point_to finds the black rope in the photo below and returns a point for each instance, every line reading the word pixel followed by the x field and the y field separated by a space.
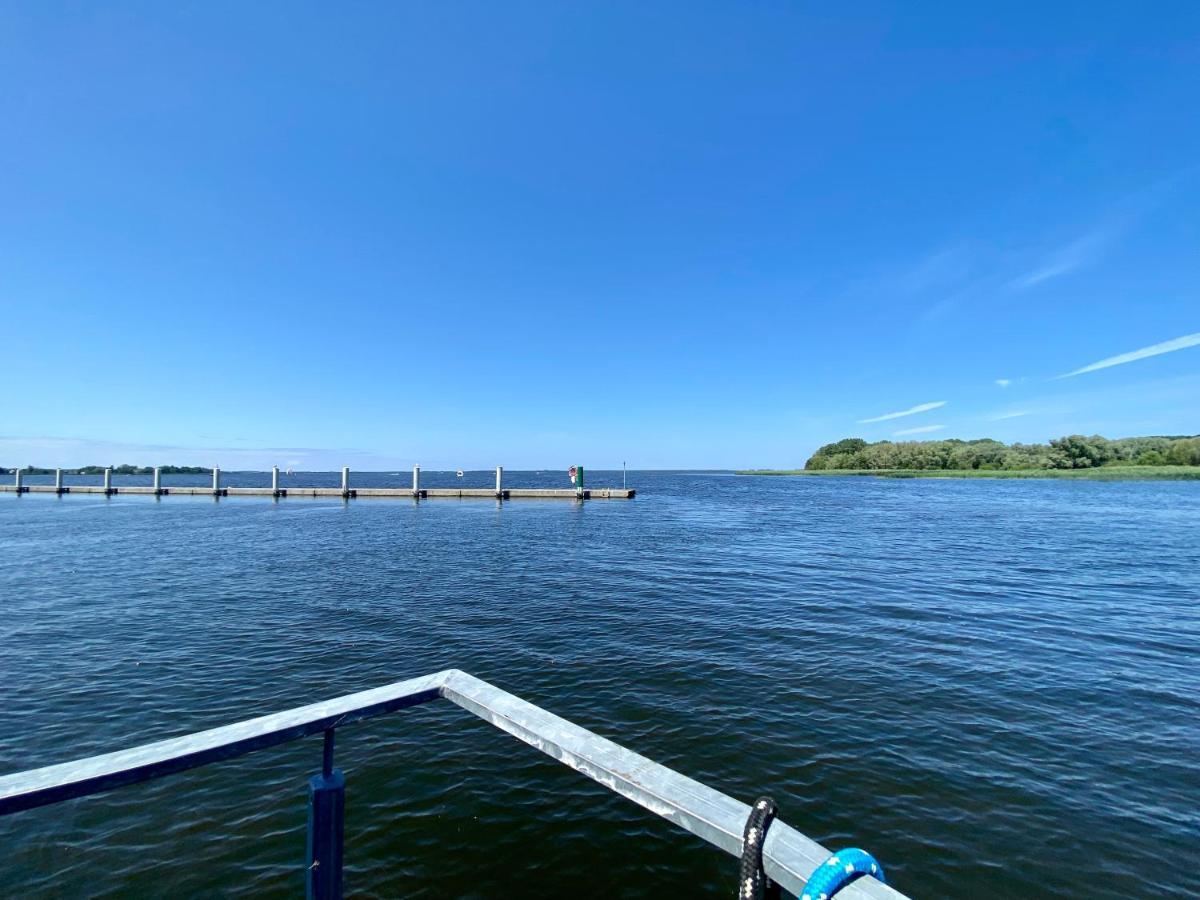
pixel 753 883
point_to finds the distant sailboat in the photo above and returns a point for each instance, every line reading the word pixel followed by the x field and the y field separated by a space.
pixel 459 473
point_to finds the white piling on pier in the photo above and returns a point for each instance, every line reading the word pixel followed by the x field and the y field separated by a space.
pixel 58 485
pixel 345 481
pixel 157 480
pixel 216 481
pixel 108 488
pixel 416 481
pixel 275 481
pixel 499 481
pixel 17 481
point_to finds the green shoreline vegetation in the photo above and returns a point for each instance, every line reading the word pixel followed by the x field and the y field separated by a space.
pixel 1073 456
pixel 1104 473
pixel 125 469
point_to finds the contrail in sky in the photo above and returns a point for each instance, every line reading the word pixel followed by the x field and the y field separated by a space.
pixel 1179 343
pixel 919 408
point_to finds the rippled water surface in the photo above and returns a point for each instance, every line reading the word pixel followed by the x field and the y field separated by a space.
pixel 992 685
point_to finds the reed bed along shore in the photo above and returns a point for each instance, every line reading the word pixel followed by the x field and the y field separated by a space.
pixel 1100 473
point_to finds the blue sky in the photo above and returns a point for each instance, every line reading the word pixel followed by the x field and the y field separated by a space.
pixel 537 234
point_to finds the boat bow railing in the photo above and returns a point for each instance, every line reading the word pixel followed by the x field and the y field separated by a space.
pixel 789 857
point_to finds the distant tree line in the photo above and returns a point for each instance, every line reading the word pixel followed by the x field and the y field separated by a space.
pixel 125 469
pixel 1071 452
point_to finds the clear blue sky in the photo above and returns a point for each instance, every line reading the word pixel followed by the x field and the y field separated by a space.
pixel 682 234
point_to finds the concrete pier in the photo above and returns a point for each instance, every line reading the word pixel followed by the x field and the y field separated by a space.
pixel 345 491
pixel 359 493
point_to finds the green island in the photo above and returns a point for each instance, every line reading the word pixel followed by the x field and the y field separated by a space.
pixel 125 469
pixel 1072 456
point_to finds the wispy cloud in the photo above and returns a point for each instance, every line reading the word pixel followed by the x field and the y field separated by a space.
pixel 1121 217
pixel 947 266
pixel 1179 343
pixel 1004 382
pixel 912 411
pixel 924 429
pixel 1009 414
pixel 1075 255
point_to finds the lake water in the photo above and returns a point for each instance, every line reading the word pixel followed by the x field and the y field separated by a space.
pixel 994 686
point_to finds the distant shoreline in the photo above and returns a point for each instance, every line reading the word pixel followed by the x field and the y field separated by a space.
pixel 1098 473
pixel 124 469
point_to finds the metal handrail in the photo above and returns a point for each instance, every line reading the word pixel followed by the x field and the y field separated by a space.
pixel 789 857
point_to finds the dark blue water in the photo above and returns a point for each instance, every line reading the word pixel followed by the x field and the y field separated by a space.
pixel 992 685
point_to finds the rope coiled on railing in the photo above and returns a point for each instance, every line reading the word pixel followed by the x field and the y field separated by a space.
pixel 838 871
pixel 753 883
pixel 827 879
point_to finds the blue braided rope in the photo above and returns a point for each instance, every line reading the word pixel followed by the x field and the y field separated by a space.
pixel 838 871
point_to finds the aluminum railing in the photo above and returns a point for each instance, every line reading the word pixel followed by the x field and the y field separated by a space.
pixel 789 857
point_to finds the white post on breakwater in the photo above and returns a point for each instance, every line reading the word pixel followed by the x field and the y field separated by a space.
pixel 499 481
pixel 17 481
pixel 216 481
pixel 108 488
pixel 157 480
pixel 416 481
pixel 58 486
pixel 345 481
pixel 274 481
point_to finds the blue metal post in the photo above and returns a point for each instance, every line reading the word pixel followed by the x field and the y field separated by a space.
pixel 326 834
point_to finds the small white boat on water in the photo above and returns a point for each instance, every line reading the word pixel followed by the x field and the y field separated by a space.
pixel 459 473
